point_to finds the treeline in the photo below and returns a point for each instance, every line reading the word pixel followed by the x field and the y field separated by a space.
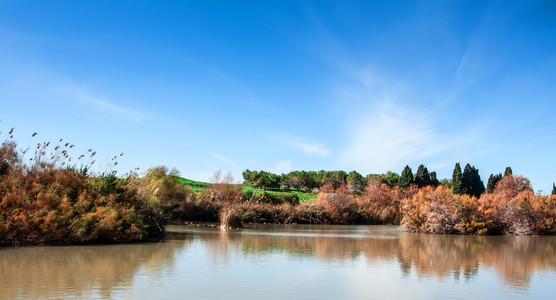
pixel 467 182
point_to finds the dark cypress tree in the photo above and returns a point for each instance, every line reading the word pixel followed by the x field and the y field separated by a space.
pixel 472 184
pixel 493 181
pixel 422 177
pixel 553 189
pixel 508 171
pixel 434 180
pixel 457 180
pixel 406 178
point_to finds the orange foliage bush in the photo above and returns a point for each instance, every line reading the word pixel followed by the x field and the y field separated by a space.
pixel 42 203
pixel 512 208
pixel 381 204
pixel 439 210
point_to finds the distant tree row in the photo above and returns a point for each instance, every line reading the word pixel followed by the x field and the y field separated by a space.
pixel 466 182
pixel 309 180
pixel 301 180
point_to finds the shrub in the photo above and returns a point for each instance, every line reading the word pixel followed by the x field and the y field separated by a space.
pixel 230 218
pixel 42 202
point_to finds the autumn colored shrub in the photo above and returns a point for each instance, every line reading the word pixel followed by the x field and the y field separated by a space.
pixel 379 203
pixel 161 188
pixel 433 210
pixel 42 202
pixel 339 207
pixel 513 208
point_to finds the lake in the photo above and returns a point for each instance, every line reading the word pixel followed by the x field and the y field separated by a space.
pixel 287 262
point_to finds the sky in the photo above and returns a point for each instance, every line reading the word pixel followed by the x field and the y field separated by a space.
pixel 369 86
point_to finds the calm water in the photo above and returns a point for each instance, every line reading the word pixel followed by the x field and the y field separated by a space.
pixel 285 262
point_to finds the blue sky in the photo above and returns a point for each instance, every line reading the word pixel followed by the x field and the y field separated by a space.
pixel 286 85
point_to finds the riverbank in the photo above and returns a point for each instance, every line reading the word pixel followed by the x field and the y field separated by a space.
pixel 510 209
pixel 45 200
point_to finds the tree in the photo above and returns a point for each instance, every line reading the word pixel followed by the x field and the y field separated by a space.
pixel 355 181
pixel 553 189
pixel 406 178
pixel 508 171
pixel 422 177
pixel 261 179
pixel 300 180
pixel 472 184
pixel 434 180
pixel 493 181
pixel 446 182
pixel 391 179
pixel 336 178
pixel 457 180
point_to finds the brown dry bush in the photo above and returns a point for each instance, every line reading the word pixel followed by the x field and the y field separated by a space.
pixel 339 207
pixel 380 204
pixel 513 208
pixel 439 210
pixel 42 202
pixel 230 218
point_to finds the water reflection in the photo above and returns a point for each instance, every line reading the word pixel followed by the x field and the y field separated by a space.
pixel 76 271
pixel 514 258
pixel 335 259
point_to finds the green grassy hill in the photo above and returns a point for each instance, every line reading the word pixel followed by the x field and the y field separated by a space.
pixel 199 186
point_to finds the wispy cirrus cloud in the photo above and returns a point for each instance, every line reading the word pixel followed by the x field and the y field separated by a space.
pixel 83 95
pixel 224 159
pixel 390 129
pixel 34 81
pixel 390 137
pixel 282 167
pixel 310 147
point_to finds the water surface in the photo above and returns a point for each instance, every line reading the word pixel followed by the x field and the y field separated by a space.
pixel 287 261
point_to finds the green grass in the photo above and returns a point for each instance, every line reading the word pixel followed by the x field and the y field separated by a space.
pixel 303 196
pixel 199 186
pixel 189 182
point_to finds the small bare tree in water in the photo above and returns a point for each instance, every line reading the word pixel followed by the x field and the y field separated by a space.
pixel 224 189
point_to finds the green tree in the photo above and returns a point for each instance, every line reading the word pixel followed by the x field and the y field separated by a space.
pixel 493 180
pixel 446 182
pixel 434 179
pixel 300 180
pixel 553 189
pixel 336 178
pixel 392 179
pixel 457 180
pixel 355 181
pixel 406 178
pixel 422 177
pixel 261 179
pixel 508 171
pixel 472 184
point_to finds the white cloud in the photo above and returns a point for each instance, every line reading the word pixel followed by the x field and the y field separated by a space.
pixel 224 159
pixel 31 82
pixel 309 147
pixel 83 95
pixel 389 138
pixel 387 131
pixel 282 167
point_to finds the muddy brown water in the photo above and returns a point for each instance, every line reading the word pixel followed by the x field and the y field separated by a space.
pixel 287 262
